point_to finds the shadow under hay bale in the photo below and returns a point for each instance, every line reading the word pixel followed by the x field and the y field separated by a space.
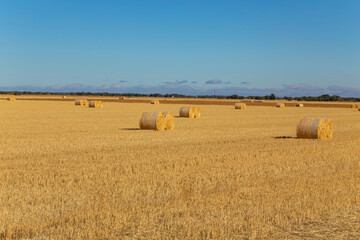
pixel 153 121
pixel 314 128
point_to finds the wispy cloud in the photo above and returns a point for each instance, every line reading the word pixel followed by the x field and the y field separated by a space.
pixel 122 81
pixel 194 82
pixel 176 82
pixel 213 81
pixel 245 83
pixel 227 83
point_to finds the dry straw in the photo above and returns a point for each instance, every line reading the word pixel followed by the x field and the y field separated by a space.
pixel 187 112
pixel 197 112
pixel 280 105
pixel 95 104
pixel 314 128
pixel 11 98
pixel 169 117
pixel 152 120
pixel 154 102
pixel 300 105
pixel 241 106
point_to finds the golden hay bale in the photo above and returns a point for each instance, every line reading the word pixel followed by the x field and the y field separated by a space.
pixel 95 104
pixel 152 120
pixel 241 106
pixel 187 112
pixel 280 105
pixel 11 98
pixel 252 100
pixel 354 106
pixel 79 102
pixel 314 128
pixel 154 102
pixel 300 105
pixel 359 109
pixel 63 96
pixel 121 98
pixel 85 102
pixel 169 117
pixel 197 112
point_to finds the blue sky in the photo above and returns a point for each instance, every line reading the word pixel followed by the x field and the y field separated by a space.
pixel 192 47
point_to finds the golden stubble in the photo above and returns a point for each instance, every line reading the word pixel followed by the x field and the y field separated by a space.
pixel 70 172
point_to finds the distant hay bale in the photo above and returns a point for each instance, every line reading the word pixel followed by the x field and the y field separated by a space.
pixel 300 105
pixel 85 102
pixel 252 100
pixel 152 120
pixel 122 98
pixel 314 128
pixel 169 117
pixel 197 112
pixel 187 112
pixel 354 106
pixel 280 105
pixel 95 104
pixel 11 98
pixel 154 102
pixel 172 96
pixel 241 106
pixel 79 102
pixel 63 96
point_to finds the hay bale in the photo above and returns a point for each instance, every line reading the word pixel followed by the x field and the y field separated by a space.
pixel 197 112
pixel 354 106
pixel 152 120
pixel 85 102
pixel 359 109
pixel 314 128
pixel 241 106
pixel 79 102
pixel 11 98
pixel 169 117
pixel 122 98
pixel 280 105
pixel 95 104
pixel 63 96
pixel 187 112
pixel 154 102
pixel 299 105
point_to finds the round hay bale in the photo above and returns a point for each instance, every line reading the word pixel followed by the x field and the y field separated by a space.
pixel 63 97
pixel 169 117
pixel 95 104
pixel 241 106
pixel 314 128
pixel 359 109
pixel 187 112
pixel 154 102
pixel 85 102
pixel 299 105
pixel 197 112
pixel 11 98
pixel 122 98
pixel 152 120
pixel 280 105
pixel 354 106
pixel 79 102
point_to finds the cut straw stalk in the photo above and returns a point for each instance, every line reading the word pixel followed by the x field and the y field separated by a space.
pixel 187 112
pixel 152 120
pixel 314 128
pixel 241 106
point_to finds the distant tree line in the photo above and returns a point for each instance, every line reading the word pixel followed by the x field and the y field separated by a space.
pixel 322 98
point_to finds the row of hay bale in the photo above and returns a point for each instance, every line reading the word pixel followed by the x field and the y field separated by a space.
pixel 92 104
pixel 242 106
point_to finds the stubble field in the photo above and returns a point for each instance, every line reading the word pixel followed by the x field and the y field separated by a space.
pixel 73 172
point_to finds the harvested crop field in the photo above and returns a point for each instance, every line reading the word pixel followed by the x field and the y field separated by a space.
pixel 85 173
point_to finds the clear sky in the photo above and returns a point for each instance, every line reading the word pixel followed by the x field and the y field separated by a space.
pixel 189 46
